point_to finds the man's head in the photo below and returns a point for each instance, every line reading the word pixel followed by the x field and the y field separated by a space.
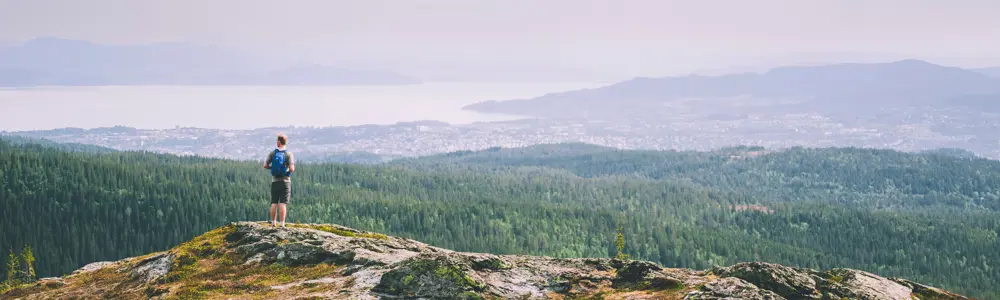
pixel 282 140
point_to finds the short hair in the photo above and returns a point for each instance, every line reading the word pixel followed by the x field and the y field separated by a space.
pixel 282 139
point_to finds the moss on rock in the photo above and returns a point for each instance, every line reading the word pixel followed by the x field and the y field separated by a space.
pixel 490 263
pixel 429 278
pixel 643 275
pixel 342 231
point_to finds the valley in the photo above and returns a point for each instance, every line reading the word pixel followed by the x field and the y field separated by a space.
pixel 930 218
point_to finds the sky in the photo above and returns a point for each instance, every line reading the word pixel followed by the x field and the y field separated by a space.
pixel 625 37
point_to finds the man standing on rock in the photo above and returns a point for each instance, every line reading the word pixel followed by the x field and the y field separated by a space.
pixel 282 166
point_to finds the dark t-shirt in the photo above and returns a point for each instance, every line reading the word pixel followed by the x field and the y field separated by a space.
pixel 289 161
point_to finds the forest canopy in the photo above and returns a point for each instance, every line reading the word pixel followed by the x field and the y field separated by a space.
pixel 927 217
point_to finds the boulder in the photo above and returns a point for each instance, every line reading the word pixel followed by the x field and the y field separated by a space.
pixel 152 268
pixel 644 275
pixel 788 282
pixel 51 282
pixel 854 284
pixel 93 267
pixel 732 288
pixel 308 254
pixel 926 292
pixel 430 278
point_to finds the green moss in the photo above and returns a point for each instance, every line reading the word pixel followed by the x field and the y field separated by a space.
pixel 207 268
pixel 206 244
pixel 472 296
pixel 837 278
pixel 431 278
pixel 12 288
pixel 492 263
pixel 634 276
pixel 205 290
pixel 342 232
pixel 188 255
pixel 189 293
pixel 221 280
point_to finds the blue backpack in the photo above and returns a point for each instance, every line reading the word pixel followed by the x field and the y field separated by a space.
pixel 278 164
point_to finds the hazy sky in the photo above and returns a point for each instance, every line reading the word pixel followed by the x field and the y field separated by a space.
pixel 649 36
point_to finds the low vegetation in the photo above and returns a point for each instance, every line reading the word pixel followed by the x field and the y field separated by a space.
pixel 341 231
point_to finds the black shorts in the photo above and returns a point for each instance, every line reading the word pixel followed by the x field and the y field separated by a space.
pixel 281 192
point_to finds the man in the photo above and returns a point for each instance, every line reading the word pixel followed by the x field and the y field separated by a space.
pixel 282 165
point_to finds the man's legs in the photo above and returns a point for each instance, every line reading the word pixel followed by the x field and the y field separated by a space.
pixel 275 199
pixel 286 195
pixel 274 210
pixel 284 211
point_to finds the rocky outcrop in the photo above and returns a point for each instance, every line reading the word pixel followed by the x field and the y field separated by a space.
pixel 256 260
pixel 926 292
pixel 731 288
pixel 93 266
pixel 793 283
pixel 785 281
pixel 152 268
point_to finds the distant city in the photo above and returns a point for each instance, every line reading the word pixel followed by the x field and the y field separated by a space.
pixel 906 105
pixel 913 131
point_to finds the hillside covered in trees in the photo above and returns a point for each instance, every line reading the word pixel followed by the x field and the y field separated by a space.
pixel 871 178
pixel 927 217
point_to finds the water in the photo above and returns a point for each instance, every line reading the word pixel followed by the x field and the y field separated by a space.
pixel 247 107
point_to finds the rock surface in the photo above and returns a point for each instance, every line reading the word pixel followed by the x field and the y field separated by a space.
pixel 732 288
pixel 318 261
pixel 153 268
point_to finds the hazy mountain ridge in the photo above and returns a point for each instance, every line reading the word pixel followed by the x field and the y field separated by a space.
pixel 53 61
pixel 809 88
pixel 993 71
pixel 906 105
pixel 71 147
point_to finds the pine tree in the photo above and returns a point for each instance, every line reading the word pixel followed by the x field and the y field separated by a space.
pixel 620 245
pixel 29 264
pixel 13 266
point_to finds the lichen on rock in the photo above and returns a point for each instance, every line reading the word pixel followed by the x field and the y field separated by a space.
pixel 430 277
pixel 153 268
pixel 644 275
pixel 732 288
pixel 93 266
pixel 785 281
pixel 854 284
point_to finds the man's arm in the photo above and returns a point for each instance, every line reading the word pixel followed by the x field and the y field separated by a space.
pixel 291 162
pixel 267 162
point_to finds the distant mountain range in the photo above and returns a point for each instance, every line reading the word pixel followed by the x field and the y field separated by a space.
pixel 53 61
pixel 994 71
pixel 838 87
